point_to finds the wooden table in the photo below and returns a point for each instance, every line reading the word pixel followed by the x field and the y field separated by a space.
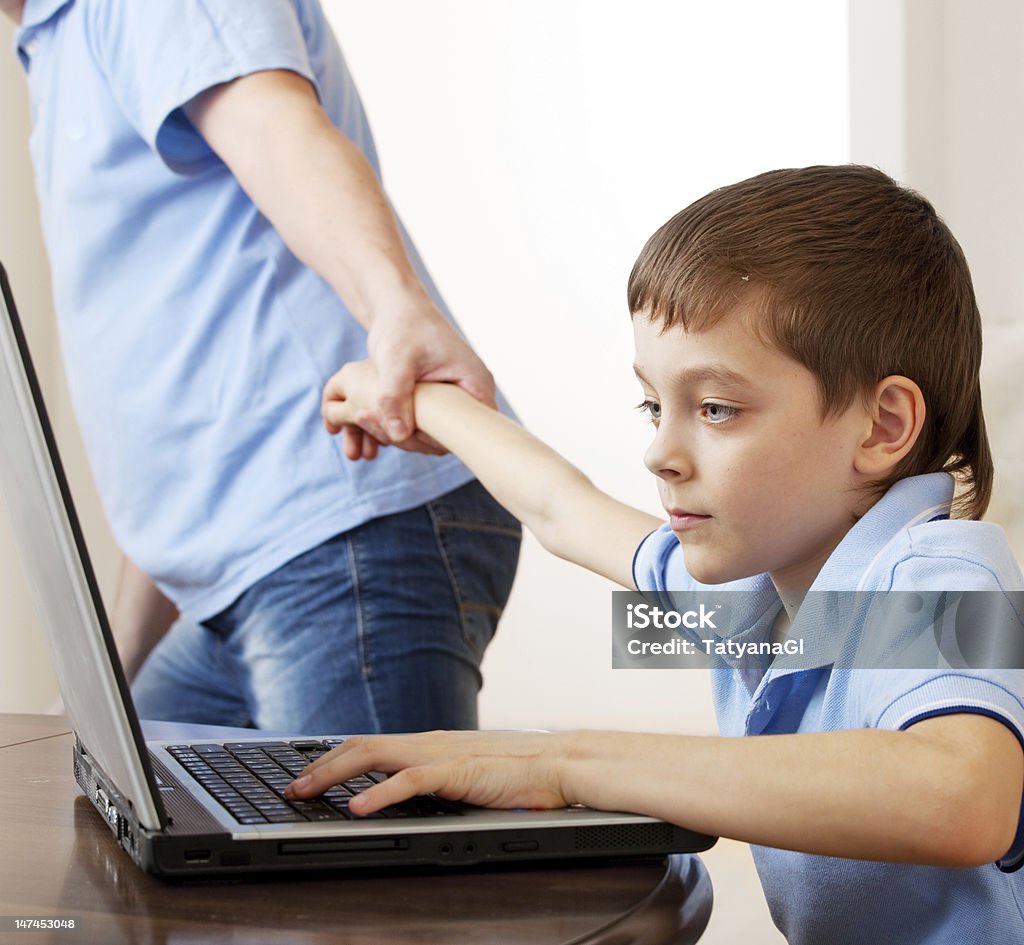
pixel 59 860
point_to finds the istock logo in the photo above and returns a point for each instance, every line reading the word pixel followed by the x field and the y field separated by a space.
pixel 643 616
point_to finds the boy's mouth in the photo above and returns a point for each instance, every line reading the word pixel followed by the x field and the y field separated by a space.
pixel 681 520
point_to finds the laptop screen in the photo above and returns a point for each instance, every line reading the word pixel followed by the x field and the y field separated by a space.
pixel 46 528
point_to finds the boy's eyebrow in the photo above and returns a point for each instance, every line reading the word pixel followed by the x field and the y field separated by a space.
pixel 716 373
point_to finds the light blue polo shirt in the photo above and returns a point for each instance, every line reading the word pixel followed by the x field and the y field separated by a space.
pixel 903 543
pixel 196 344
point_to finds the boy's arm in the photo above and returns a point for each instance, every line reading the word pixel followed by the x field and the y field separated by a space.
pixel 567 513
pixel 945 792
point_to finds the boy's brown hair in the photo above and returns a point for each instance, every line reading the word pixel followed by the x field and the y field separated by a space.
pixel 856 278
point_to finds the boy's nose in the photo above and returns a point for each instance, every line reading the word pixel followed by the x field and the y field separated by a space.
pixel 667 458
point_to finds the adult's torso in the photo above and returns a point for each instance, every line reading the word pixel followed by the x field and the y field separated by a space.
pixel 196 345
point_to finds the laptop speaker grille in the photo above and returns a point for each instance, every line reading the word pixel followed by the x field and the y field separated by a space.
pixel 623 836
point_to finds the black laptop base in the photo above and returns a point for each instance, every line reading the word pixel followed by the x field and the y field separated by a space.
pixel 195 844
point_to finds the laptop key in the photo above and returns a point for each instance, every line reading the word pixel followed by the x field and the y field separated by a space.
pixel 328 813
pixel 292 817
pixel 235 747
pixel 307 745
pixel 361 783
pixel 267 809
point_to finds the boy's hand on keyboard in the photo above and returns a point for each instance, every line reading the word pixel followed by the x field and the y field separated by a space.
pixel 488 769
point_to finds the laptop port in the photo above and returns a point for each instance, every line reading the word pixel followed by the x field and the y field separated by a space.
pixel 197 856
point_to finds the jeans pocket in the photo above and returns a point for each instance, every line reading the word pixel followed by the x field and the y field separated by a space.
pixel 479 542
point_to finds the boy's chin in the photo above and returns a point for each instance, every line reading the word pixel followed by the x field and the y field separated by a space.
pixel 710 569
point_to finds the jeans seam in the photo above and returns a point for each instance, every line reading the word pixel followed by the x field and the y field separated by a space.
pixel 479 527
pixel 478 607
pixel 361 631
pixel 449 570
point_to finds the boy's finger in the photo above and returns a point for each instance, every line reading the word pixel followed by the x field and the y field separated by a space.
pixel 335 415
pixel 333 389
pixel 371 424
pixel 352 757
pixel 410 782
pixel 370 447
pixel 358 444
pixel 352 442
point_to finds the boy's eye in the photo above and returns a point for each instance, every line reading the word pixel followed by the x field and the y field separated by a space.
pixel 717 413
pixel 650 407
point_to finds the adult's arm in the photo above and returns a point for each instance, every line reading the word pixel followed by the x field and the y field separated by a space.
pixel 140 617
pixel 323 197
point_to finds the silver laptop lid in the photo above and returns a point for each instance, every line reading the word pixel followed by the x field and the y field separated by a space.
pixel 35 492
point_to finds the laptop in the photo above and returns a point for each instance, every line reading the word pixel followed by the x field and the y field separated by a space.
pixel 194 807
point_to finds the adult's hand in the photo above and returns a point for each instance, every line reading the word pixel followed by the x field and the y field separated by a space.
pixel 415 343
pixel 324 199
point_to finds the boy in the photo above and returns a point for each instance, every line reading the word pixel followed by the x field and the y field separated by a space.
pixel 808 345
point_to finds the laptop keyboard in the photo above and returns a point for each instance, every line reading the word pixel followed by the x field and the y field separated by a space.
pixel 248 780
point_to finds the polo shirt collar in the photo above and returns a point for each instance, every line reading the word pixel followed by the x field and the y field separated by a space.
pixel 37 12
pixel 909 502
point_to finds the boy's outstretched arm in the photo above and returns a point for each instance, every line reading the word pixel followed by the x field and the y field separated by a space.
pixel 567 513
pixel 945 792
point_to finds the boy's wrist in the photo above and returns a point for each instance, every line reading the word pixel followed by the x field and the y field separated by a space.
pixel 434 398
pixel 581 762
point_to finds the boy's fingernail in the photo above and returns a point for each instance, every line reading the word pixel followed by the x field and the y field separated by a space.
pixel 397 429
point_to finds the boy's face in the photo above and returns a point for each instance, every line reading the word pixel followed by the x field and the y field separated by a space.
pixel 753 479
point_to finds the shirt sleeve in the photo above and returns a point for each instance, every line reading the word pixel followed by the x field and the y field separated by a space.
pixel 653 559
pixel 158 55
pixel 899 699
pixel 996 694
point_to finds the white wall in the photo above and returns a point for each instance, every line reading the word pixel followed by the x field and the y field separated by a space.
pixel 25 677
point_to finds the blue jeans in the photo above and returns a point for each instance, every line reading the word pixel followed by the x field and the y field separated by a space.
pixel 379 629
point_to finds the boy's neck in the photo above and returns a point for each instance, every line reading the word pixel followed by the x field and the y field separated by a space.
pixel 791 601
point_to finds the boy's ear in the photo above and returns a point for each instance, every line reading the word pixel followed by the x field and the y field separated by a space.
pixel 895 409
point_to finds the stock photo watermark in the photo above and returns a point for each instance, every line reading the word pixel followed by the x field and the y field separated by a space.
pixel 882 630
